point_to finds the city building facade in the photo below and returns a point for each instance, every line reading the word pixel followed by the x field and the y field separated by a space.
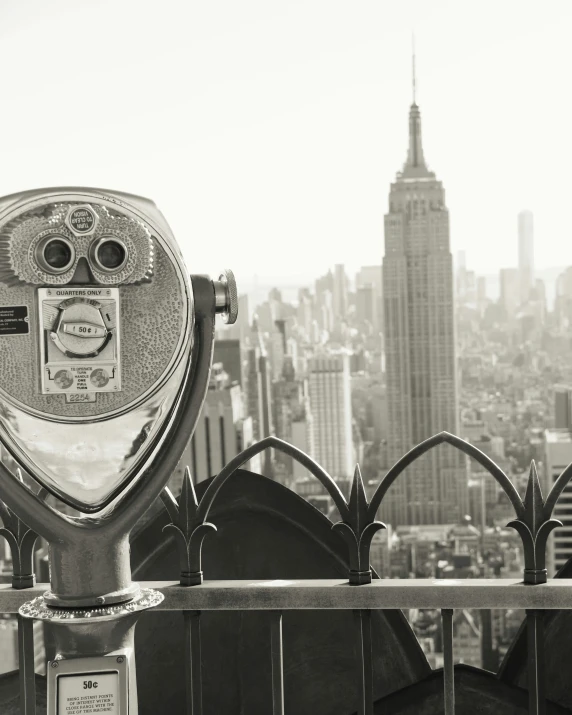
pixel 331 408
pixel 558 455
pixel 420 341
pixel 525 254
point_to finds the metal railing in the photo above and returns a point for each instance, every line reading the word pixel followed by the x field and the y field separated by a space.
pixel 359 593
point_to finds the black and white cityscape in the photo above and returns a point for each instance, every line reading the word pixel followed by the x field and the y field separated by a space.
pixel 358 369
pixel 394 219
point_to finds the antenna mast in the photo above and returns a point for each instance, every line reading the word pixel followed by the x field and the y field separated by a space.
pixel 414 77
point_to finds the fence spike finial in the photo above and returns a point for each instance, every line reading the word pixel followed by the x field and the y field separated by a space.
pixel 190 530
pixel 533 500
pixel 358 501
pixel 358 530
pixel 534 526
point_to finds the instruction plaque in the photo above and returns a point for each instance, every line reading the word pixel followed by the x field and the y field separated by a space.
pixel 88 686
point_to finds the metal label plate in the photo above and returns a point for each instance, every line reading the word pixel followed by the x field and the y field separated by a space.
pixel 88 686
pixel 14 320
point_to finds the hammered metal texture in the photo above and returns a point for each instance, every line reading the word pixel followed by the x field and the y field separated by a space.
pixel 38 609
pixel 152 320
pixel 20 237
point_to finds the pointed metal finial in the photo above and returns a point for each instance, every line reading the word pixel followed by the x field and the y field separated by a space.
pixel 358 530
pixel 189 528
pixel 534 526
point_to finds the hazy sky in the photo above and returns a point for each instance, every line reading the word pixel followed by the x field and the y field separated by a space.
pixel 268 132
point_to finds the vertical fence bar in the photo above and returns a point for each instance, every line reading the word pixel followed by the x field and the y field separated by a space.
pixel 535 649
pixel 277 663
pixel 26 666
pixel 448 667
pixel 193 676
pixel 365 665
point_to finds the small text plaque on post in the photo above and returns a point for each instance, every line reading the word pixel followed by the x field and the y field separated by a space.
pixel 88 686
pixel 88 694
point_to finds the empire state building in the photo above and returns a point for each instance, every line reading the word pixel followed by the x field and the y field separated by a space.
pixel 420 355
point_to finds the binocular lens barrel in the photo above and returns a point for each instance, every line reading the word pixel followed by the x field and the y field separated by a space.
pixel 56 254
pixel 110 254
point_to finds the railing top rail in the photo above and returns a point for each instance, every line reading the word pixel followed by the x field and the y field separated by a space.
pixel 310 594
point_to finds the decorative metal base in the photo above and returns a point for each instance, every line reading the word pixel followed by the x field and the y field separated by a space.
pixel 40 610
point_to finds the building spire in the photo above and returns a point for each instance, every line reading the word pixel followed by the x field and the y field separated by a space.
pixel 415 164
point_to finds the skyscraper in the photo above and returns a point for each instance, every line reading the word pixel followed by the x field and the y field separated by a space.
pixel 331 408
pixel 563 299
pixel 228 352
pixel 259 396
pixel 370 277
pixel 288 408
pixel 525 254
pixel 558 455
pixel 222 431
pixel 510 291
pixel 420 343
pixel 340 291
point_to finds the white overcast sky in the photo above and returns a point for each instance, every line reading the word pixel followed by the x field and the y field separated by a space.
pixel 268 132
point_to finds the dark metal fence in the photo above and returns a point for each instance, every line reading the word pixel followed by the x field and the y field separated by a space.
pixel 191 595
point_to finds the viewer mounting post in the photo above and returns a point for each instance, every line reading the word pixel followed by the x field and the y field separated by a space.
pixel 106 349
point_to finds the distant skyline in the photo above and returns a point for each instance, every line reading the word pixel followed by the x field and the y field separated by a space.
pixel 293 282
pixel 268 133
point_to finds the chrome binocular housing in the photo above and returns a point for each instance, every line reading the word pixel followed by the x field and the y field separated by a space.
pixel 96 330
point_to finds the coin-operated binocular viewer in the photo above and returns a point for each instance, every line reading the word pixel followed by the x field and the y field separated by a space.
pixel 105 353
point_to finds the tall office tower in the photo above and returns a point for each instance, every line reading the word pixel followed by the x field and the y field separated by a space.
pixel 510 290
pixel 482 299
pixel 331 408
pixel 287 407
pixel 525 254
pixel 221 433
pixel 303 438
pixel 563 406
pixel 461 275
pixel 277 345
pixel 340 292
pixel 371 276
pixel 228 353
pixel 217 436
pixel 420 344
pixel 366 309
pixel 305 311
pixel 324 283
pixel 558 455
pixel 563 299
pixel 258 392
pixel 258 395
pixel 325 312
